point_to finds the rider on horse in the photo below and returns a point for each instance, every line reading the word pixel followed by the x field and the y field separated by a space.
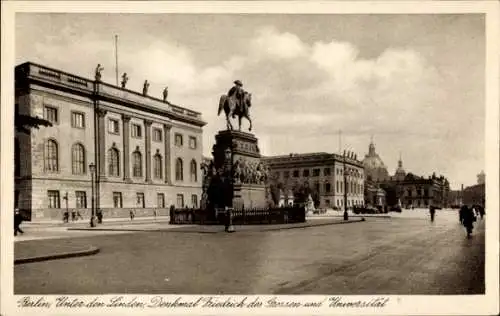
pixel 238 92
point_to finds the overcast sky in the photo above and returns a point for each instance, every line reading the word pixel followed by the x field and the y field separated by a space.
pixel 414 82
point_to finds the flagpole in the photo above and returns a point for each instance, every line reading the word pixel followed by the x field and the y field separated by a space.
pixel 116 58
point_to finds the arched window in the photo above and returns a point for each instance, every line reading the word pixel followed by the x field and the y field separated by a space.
pixel 78 159
pixel 114 162
pixel 157 166
pixel 51 156
pixel 193 171
pixel 178 170
pixel 137 164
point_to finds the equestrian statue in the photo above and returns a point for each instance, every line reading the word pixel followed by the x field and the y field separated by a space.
pixel 236 103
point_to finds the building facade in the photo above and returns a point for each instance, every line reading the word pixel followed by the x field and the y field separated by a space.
pixel 146 152
pixel 329 176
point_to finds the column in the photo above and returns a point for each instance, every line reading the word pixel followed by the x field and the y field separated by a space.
pixel 147 139
pixel 126 147
pixel 101 114
pixel 168 169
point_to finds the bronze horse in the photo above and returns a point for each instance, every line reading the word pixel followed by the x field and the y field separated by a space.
pixel 232 108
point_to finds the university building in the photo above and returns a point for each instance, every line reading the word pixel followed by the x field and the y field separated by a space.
pixel 123 149
pixel 328 175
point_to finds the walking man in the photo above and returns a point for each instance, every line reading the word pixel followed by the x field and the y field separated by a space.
pixel 18 219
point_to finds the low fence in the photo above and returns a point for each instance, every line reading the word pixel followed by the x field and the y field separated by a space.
pixel 282 215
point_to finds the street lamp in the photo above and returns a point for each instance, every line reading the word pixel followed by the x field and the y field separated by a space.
pixel 92 216
pixel 346 215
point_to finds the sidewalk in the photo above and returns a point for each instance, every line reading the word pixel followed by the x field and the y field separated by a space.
pixel 105 221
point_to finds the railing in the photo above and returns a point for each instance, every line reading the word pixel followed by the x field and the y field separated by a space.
pixel 280 215
pixel 60 77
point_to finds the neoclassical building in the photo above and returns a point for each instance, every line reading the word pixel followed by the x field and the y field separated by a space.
pixel 146 152
pixel 330 175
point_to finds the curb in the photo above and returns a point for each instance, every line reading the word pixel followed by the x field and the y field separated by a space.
pixel 316 225
pixel 87 252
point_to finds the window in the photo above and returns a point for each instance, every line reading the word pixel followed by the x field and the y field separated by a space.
pixel 51 156
pixel 338 187
pixel 296 173
pixel 157 135
pixel 16 198
pixel 178 170
pixel 192 142
pixel 286 174
pixel 136 131
pixel 160 200
pixel 317 187
pixel 316 172
pixel 117 200
pixel 277 175
pixel 157 166
pixel 78 159
pixel 328 187
pixel 51 114
pixel 194 201
pixel 81 199
pixel 78 119
pixel 178 140
pixel 140 200
pixel 326 171
pixel 193 171
pixel 17 158
pixel 305 173
pixel 327 202
pixel 54 201
pixel 113 126
pixel 180 201
pixel 114 162
pixel 137 164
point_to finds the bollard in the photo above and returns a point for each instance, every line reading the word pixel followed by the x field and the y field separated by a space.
pixel 229 220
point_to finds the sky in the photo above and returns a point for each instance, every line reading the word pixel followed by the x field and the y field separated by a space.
pixel 415 83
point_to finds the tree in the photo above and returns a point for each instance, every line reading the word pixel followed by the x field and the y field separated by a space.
pixel 24 123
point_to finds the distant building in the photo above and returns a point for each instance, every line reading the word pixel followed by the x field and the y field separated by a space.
pixel 405 188
pixel 375 169
pixel 324 173
pixel 146 152
pixel 476 194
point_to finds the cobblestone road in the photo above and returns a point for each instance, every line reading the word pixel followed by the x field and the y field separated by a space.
pixel 379 256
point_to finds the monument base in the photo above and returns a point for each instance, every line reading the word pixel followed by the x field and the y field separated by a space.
pixel 249 196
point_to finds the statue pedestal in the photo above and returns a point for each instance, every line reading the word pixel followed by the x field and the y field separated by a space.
pixel 249 196
pixel 247 187
pixel 242 145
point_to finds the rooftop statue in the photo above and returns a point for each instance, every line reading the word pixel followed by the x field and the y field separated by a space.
pixel 124 80
pixel 98 71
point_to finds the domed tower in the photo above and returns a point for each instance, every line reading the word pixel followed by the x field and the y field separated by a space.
pixel 375 169
pixel 400 172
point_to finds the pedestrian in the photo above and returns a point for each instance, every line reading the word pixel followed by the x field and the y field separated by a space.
pixel 66 217
pixel 132 214
pixel 78 215
pixel 73 215
pixel 481 211
pixel 468 219
pixel 18 219
pixel 432 210
pixel 99 216
pixel 154 214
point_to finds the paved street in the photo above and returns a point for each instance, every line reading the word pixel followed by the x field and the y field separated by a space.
pixel 379 256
